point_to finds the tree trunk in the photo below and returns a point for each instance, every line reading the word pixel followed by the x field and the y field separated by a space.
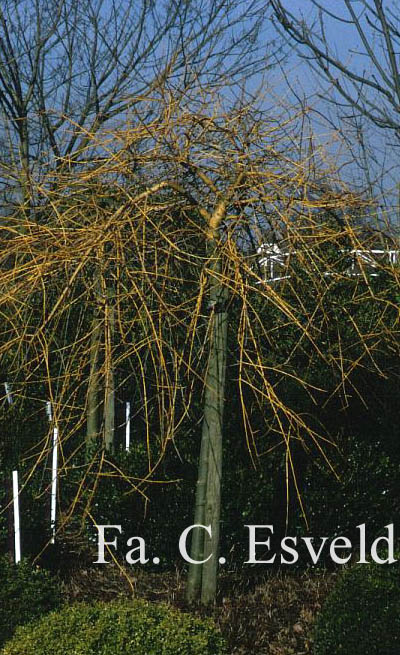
pixel 26 192
pixel 203 577
pixel 93 395
pixel 193 588
pixel 213 419
pixel 109 412
pixel 109 391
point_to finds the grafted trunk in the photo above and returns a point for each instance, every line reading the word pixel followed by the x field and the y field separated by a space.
pixel 202 578
pixel 213 423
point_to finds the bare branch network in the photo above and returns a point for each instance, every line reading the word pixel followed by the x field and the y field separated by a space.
pixel 139 269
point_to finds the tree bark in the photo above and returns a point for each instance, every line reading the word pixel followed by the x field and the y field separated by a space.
pixel 193 588
pixel 213 424
pixel 92 406
pixel 109 391
pixel 202 578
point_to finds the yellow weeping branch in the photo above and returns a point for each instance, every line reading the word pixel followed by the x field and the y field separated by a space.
pixel 144 221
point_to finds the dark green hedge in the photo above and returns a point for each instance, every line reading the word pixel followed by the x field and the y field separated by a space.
pixel 26 593
pixel 361 616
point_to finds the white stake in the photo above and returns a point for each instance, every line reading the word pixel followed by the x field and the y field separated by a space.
pixel 53 507
pixel 54 486
pixel 17 533
pixel 8 393
pixel 128 427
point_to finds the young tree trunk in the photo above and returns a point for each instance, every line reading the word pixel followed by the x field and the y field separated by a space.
pixel 93 422
pixel 92 406
pixel 93 394
pixel 193 587
pixel 202 578
pixel 109 391
pixel 25 173
pixel 109 411
pixel 213 422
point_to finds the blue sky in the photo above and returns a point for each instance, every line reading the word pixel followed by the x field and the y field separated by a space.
pixel 345 42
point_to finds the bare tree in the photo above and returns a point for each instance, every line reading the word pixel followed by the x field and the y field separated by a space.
pixel 364 82
pixel 212 178
pixel 68 67
pixel 373 90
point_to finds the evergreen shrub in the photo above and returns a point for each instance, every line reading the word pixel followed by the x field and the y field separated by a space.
pixel 117 628
pixel 361 616
pixel 26 592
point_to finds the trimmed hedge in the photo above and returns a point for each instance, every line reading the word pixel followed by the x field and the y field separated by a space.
pixel 117 628
pixel 361 616
pixel 26 592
